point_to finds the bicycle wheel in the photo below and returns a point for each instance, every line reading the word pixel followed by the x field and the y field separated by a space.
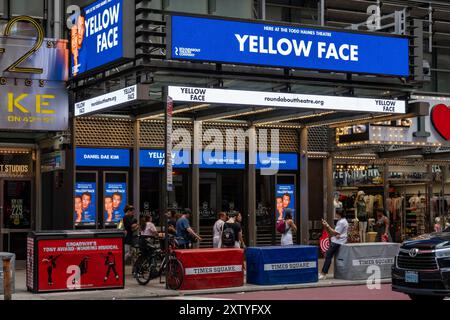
pixel 175 274
pixel 143 270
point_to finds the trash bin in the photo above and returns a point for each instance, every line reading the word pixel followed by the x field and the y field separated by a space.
pixel 13 270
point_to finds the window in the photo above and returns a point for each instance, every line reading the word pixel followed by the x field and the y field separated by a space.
pixel 304 12
pixel 232 8
pixel 191 6
pixel 33 8
pixel 443 78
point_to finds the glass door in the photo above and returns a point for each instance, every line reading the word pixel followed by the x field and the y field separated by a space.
pixel 16 215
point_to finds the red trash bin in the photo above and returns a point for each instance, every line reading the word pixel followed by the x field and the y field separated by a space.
pixel 212 268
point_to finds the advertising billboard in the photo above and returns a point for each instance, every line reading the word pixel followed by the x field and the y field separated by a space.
pixel 285 198
pixel 115 200
pixel 85 211
pixel 265 44
pixel 80 264
pixel 103 34
pixel 285 100
pixel 87 157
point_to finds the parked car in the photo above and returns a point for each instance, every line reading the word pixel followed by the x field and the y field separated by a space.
pixel 422 267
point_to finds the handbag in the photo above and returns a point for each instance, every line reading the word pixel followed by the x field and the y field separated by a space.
pixel 384 238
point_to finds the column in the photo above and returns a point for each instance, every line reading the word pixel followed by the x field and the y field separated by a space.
pixel 304 193
pixel 251 183
pixel 136 166
pixel 329 189
pixel 38 183
pixel 195 175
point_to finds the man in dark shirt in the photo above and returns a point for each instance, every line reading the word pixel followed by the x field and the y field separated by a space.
pixel 131 226
pixel 235 226
pixel 172 222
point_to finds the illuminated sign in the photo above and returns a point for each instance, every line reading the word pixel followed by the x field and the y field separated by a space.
pixel 286 100
pixel 32 108
pixel 254 43
pixel 103 34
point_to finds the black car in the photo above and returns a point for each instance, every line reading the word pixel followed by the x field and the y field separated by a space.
pixel 422 267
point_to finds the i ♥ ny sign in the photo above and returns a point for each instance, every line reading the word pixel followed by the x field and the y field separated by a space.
pixel 440 117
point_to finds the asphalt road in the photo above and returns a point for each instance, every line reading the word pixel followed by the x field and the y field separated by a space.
pixel 330 293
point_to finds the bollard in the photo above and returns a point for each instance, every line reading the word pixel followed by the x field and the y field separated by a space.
pixel 7 278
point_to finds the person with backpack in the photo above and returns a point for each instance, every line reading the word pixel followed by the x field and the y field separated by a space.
pixel 232 233
pixel 289 227
pixel 218 229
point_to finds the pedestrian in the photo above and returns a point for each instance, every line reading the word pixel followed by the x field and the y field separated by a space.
pixel 286 237
pixel 382 227
pixel 172 222
pixel 232 232
pixel 437 225
pixel 185 234
pixel 241 238
pixel 148 228
pixel 218 229
pixel 339 238
pixel 131 228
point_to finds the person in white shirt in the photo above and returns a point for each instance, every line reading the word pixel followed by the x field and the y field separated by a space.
pixel 149 228
pixel 218 229
pixel 339 237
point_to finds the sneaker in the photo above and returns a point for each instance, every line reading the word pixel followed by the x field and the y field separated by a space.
pixel 322 277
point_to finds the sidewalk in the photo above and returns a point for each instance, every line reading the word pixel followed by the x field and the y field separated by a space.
pixel 154 289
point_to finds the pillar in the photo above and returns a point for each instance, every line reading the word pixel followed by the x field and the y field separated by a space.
pixel 251 184
pixel 136 166
pixel 304 193
pixel 329 189
pixel 195 175
pixel 38 219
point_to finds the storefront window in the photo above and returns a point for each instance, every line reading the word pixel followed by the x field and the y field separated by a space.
pixel 150 194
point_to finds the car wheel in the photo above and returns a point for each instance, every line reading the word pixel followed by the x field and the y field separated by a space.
pixel 418 297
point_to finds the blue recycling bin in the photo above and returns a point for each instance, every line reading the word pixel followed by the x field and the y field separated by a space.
pixel 282 265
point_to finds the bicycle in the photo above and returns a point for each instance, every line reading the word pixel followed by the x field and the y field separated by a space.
pixel 155 262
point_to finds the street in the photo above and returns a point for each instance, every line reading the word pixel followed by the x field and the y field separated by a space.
pixel 330 293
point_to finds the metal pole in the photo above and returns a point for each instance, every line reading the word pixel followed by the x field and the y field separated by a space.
pixel 322 13
pixel 137 168
pixel 251 175
pixel 329 189
pixel 195 179
pixel 7 278
pixel 304 187
pixel 167 184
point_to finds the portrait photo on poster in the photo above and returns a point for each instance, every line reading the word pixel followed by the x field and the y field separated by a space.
pixel 85 211
pixel 285 199
pixel 115 199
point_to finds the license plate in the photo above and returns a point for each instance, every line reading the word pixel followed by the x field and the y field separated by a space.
pixel 411 277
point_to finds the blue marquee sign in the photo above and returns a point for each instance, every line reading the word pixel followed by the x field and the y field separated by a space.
pixel 86 157
pixel 218 40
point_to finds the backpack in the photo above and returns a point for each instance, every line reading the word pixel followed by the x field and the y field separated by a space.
pixel 281 226
pixel 228 236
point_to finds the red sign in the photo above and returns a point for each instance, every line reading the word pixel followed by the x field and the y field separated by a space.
pixel 80 264
pixel 325 241
pixel 212 268
pixel 440 117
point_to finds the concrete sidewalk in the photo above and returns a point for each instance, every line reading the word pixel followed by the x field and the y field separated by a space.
pixel 155 290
